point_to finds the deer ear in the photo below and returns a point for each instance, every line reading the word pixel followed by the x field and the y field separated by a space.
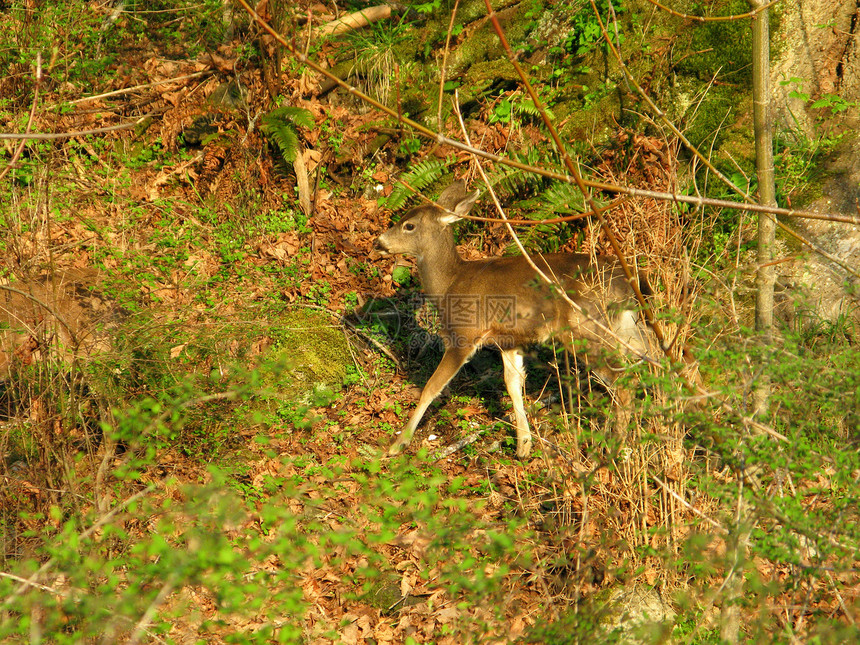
pixel 449 197
pixel 465 205
pixel 456 202
pixel 457 210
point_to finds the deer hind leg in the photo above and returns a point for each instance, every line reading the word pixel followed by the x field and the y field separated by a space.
pixel 515 380
pixel 453 359
pixel 636 344
pixel 622 399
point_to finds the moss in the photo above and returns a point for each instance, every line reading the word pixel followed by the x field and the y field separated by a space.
pixel 485 73
pixel 738 140
pixel 480 46
pixel 435 31
pixel 481 76
pixel 314 350
pixel 723 121
pixel 384 592
pixel 482 42
pixel 722 48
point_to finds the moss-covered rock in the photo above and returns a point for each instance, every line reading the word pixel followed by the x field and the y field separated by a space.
pixel 313 350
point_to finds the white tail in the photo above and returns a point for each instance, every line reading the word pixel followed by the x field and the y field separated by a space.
pixel 504 302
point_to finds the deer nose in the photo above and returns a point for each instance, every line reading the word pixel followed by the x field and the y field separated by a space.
pixel 380 246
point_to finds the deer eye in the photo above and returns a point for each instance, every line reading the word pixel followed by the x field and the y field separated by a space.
pixel 409 226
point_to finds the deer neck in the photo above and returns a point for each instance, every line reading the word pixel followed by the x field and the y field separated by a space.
pixel 438 267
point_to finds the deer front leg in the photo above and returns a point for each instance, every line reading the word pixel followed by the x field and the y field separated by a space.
pixel 453 359
pixel 515 380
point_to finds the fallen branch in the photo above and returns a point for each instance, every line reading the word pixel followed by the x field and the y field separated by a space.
pixel 127 90
pixel 356 20
pixel 40 136
pixel 457 445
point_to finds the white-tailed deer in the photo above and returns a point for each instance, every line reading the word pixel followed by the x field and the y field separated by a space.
pixel 504 302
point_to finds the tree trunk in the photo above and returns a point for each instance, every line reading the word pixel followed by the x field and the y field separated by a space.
pixel 763 123
pixel 730 616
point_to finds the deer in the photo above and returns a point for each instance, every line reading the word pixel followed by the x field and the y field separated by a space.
pixel 504 302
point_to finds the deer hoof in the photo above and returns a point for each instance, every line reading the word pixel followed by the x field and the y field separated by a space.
pixel 396 448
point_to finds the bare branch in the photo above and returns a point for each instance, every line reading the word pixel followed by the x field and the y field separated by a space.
pixel 574 172
pixel 737 16
pixel 20 149
pixel 79 133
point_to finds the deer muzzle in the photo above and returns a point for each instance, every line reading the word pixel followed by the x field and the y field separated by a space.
pixel 381 247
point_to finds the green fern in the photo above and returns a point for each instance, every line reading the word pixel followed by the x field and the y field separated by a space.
pixel 419 177
pixel 280 125
pixel 513 181
pixel 526 107
pixel 559 199
pixel 538 199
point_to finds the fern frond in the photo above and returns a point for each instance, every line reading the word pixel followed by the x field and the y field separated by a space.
pixel 279 126
pixel 419 176
pixel 560 199
pixel 516 182
pixel 284 136
pixel 526 107
pixel 299 117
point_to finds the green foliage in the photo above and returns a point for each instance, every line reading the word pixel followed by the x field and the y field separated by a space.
pixel 419 176
pixel 799 158
pixel 252 572
pixel 401 275
pixel 834 103
pixel 280 125
pixel 799 155
pixel 427 7
pixel 506 110
pixel 573 627
pixel 718 65
pixel 514 180
pixel 708 126
pixel 81 46
pixel 253 529
pixel 586 32
pixel 539 199
pixel 410 146
pixel 379 57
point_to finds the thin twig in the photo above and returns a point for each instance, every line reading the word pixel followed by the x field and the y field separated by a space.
pixel 127 90
pixel 543 275
pixel 632 279
pixel 689 506
pixel 163 593
pixel 738 16
pixel 104 519
pixel 44 305
pixel 765 209
pixel 445 62
pixel 31 583
pixel 20 149
pixel 79 133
